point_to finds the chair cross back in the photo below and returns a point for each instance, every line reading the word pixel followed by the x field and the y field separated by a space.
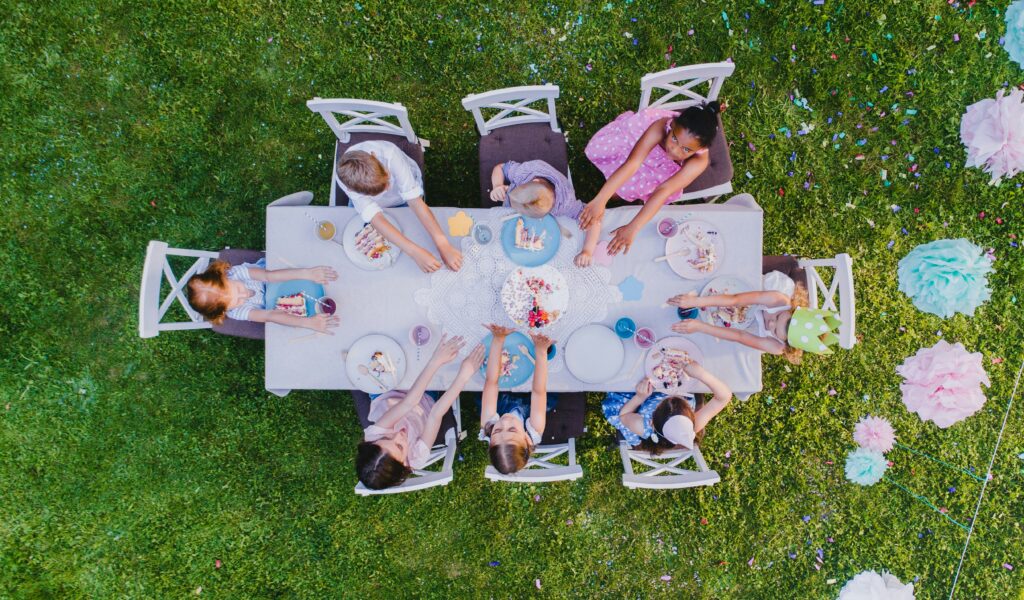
pixel 542 466
pixel 513 106
pixel 680 83
pixel 366 116
pixel 665 471
pixel 155 270
pixel 836 296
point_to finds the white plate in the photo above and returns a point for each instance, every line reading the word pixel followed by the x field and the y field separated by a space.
pixel 361 353
pixel 726 285
pixel 682 248
pixel 654 357
pixel 517 299
pixel 594 354
pixel 354 226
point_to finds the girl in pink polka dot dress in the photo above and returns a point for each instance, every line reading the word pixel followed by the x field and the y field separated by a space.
pixel 651 156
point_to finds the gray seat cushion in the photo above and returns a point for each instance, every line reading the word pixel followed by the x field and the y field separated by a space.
pixel 361 400
pixel 244 329
pixel 719 170
pixel 413 149
pixel 532 141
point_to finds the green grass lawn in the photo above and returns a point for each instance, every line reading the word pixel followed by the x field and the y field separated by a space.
pixel 128 466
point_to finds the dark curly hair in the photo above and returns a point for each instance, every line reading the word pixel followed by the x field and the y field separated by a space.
pixel 377 469
pixel 701 120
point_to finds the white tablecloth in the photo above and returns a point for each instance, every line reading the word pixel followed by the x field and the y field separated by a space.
pixel 385 301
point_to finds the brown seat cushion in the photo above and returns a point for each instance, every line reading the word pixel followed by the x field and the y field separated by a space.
pixel 532 141
pixel 362 403
pixel 719 170
pixel 413 149
pixel 787 265
pixel 244 329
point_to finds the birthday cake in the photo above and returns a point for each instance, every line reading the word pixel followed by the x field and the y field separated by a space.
pixel 535 297
pixel 371 244
pixel 730 316
pixel 670 372
pixel 528 241
pixel 293 305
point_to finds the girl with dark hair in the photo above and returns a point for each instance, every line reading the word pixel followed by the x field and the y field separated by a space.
pixel 405 424
pixel 654 422
pixel 652 156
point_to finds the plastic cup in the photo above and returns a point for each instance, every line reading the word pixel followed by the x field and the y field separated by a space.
pixel 482 234
pixel 420 335
pixel 326 306
pixel 625 328
pixel 325 230
pixel 667 227
pixel 644 337
pixel 688 313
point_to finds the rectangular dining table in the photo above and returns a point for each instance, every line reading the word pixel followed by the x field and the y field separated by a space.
pixel 382 302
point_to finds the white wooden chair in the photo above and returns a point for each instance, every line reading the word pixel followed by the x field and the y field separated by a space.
pixel 679 89
pixel 519 124
pixel 542 466
pixel 378 120
pixel 836 296
pixel 664 471
pixel 155 270
pixel 296 199
pixel 439 468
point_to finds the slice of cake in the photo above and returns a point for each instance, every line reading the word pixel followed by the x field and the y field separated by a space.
pixel 293 305
pixel 371 243
pixel 526 240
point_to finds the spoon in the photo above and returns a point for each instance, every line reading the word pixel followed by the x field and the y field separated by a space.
pixel 680 252
pixel 366 371
pixel 526 353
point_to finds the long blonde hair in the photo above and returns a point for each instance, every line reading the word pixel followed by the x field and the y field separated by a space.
pixel 800 299
pixel 533 199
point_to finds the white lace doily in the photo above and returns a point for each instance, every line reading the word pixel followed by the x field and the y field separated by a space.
pixel 461 302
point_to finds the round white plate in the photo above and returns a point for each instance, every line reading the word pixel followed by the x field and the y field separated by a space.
pixel 361 353
pixel 719 318
pixel 654 356
pixel 517 298
pixel 683 250
pixel 594 354
pixel 348 237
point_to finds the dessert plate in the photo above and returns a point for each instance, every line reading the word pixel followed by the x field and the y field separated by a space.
pixel 375 364
pixel 530 242
pixel 371 252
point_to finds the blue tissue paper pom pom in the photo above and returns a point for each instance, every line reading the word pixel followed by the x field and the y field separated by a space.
pixel 865 467
pixel 946 277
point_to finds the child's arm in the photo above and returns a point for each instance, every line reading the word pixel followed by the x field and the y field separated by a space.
pixel 321 323
pixel 722 395
pixel 625 235
pixel 628 415
pixel 769 298
pixel 470 365
pixel 764 344
pixel 499 191
pixel 446 351
pixel 423 258
pixel 539 393
pixel 585 257
pixel 489 397
pixel 320 275
pixel 451 257
pixel 595 209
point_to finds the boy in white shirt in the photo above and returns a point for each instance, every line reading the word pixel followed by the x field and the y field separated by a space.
pixel 377 175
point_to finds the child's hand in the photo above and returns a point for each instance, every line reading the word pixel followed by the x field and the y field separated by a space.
pixel 451 257
pixel 499 193
pixel 644 388
pixel 583 259
pixel 498 331
pixel 447 350
pixel 693 369
pixel 425 260
pixel 471 364
pixel 541 343
pixel 688 326
pixel 592 214
pixel 322 323
pixel 622 239
pixel 687 300
pixel 321 275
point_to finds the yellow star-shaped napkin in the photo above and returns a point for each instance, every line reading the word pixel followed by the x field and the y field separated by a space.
pixel 459 224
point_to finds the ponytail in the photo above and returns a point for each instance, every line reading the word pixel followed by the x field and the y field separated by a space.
pixel 701 120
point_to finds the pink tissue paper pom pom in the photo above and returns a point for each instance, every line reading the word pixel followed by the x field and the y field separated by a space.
pixel 992 130
pixel 943 383
pixel 874 433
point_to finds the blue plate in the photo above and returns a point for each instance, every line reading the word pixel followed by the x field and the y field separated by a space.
pixel 526 258
pixel 290 288
pixel 523 369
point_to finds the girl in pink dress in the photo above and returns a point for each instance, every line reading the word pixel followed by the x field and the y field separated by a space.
pixel 651 156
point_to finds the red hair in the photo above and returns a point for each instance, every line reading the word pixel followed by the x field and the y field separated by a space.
pixel 206 292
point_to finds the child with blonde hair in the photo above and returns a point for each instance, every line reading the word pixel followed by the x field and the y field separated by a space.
pixel 238 292
pixel 652 156
pixel 534 189
pixel 377 174
pixel 511 426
